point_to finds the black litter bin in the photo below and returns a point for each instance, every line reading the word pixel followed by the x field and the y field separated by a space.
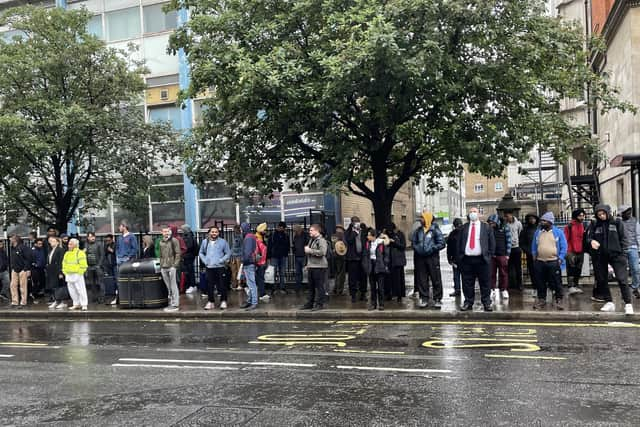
pixel 140 285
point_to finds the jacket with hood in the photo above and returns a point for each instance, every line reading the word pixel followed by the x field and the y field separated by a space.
pixel 528 231
pixel 352 248
pixel 279 245
pixel 382 263
pixel 428 240
pixel 398 247
pixel 609 233
pixel 502 234
pixel 452 244
pixel 21 258
pixel 561 244
pixel 170 254
pixel 175 235
pixel 214 253
pixel 249 245
pixel 631 230
pixel 574 233
pixel 190 243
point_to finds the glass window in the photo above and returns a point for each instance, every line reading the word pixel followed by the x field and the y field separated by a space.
pixel 138 224
pixel 167 193
pixel 123 24
pixel 94 26
pixel 171 114
pixel 215 190
pixel 253 212
pixel 156 56
pixel 167 214
pixel 155 20
pixel 498 186
pixel 91 5
pixel 98 221
pixel 217 210
pixel 478 188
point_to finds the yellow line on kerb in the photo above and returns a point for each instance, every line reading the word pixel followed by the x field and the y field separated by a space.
pixel 491 323
pixel 24 344
pixel 513 356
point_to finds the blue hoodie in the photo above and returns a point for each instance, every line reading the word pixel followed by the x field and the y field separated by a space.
pixel 561 244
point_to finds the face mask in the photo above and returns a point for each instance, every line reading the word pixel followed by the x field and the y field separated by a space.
pixel 473 216
pixel 356 225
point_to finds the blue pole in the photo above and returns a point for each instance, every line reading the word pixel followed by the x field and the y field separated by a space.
pixel 190 192
pixel 61 3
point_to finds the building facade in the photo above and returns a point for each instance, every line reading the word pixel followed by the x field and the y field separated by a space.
pixel 447 204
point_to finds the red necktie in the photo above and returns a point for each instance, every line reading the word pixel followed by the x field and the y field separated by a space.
pixel 472 239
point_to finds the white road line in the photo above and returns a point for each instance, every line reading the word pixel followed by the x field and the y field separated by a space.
pixel 220 362
pixel 377 368
pixel 144 365
pixel 6 356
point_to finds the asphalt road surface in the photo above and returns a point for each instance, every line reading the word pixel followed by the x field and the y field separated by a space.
pixel 311 373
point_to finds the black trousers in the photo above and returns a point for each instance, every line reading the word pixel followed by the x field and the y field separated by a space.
pixel 188 266
pixel 427 269
pixel 317 286
pixel 601 271
pixel 37 281
pixel 377 285
pixel 475 268
pixel 357 278
pixel 515 268
pixel 531 269
pixel 94 281
pixel 574 268
pixel 214 282
pixel 548 276
pixel 398 288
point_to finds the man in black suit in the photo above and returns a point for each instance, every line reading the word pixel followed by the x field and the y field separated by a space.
pixel 476 246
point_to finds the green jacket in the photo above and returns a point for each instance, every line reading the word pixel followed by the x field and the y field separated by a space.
pixel 170 254
pixel 74 262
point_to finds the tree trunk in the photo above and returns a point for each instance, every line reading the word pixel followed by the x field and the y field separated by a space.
pixel 382 210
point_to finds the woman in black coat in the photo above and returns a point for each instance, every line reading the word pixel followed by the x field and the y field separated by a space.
pixel 398 246
pixel 54 270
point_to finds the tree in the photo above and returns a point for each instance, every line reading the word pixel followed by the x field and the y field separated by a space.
pixel 346 92
pixel 72 127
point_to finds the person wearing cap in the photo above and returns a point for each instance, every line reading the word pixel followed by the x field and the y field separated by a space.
pixel 605 237
pixel 526 239
pixel 574 233
pixel 630 245
pixel 261 261
pixel 549 249
pixel 340 251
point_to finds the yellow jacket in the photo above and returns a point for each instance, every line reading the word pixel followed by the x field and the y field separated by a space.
pixel 74 262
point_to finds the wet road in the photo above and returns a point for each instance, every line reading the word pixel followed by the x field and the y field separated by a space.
pixel 281 373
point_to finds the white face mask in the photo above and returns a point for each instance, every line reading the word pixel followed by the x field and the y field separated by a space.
pixel 473 216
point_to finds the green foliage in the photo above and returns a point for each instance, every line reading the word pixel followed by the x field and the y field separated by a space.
pixel 72 128
pixel 348 92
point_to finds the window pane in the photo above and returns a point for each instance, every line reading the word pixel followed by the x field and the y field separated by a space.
pixel 94 26
pixel 215 190
pixel 138 224
pixel 156 56
pixel 155 20
pixel 98 221
pixel 123 24
pixel 252 212
pixel 167 114
pixel 297 206
pixel 167 214
pixel 218 210
pixel 167 193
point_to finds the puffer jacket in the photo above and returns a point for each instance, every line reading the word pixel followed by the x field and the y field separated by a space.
pixel 502 233
pixel 429 243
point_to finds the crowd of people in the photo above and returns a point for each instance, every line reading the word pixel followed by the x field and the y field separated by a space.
pixel 371 262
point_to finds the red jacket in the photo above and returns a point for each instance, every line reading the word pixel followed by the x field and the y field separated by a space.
pixel 574 232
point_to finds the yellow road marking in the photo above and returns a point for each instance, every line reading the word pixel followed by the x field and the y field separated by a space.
pixel 515 346
pixel 517 356
pixel 489 323
pixel 24 344
pixel 480 339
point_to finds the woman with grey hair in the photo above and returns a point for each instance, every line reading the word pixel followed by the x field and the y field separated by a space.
pixel 74 266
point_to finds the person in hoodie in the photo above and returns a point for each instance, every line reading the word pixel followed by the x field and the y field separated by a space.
pixel 605 236
pixel 5 278
pixel 279 247
pixel 214 254
pixel 500 259
pixel 21 260
pixel 515 257
pixel 526 239
pixel 398 246
pixel 549 249
pixel 236 257
pixel 427 243
pixel 630 244
pixel 249 257
pixel 37 272
pixel 574 233
pixel 170 256
pixel 189 258
pixel 94 274
pixel 452 251
pixel 377 264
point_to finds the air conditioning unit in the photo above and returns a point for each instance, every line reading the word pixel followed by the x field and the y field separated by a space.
pixel 164 95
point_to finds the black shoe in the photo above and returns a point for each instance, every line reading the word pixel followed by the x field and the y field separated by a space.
pixel 318 307
pixel 636 293
pixel 399 299
pixel 353 299
pixel 454 294
pixel 372 307
pixel 251 307
pixel 597 299
pixel 306 307
pixel 466 307
pixel 488 307
pixel 363 296
pixel 381 307
pixel 246 305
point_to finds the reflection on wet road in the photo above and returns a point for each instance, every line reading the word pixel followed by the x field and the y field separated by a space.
pixel 244 372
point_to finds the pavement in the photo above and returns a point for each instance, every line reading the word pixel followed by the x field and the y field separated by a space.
pixel 312 372
pixel 287 306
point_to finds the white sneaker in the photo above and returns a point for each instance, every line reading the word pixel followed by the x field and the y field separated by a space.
pixel 204 296
pixel 223 305
pixel 74 307
pixel 209 306
pixel 61 306
pixel 573 290
pixel 115 301
pixel 494 293
pixel 265 298
pixel 53 305
pixel 191 290
pixel 608 307
pixel 628 309
pixel 505 294
pixel 84 308
pixel 171 308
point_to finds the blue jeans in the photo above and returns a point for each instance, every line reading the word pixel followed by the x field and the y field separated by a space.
pixel 457 280
pixel 250 276
pixel 280 264
pixel 634 267
pixel 299 268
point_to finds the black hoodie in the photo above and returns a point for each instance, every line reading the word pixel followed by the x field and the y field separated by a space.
pixel 527 233
pixel 609 233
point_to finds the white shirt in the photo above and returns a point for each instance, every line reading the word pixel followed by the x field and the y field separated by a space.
pixel 477 250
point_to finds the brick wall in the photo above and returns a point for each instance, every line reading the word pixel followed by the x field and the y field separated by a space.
pixel 599 12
